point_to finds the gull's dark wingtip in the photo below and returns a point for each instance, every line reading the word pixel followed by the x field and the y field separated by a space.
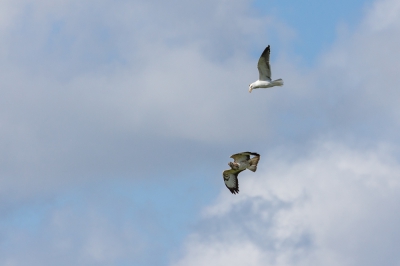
pixel 266 50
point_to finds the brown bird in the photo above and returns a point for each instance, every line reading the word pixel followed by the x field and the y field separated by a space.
pixel 241 162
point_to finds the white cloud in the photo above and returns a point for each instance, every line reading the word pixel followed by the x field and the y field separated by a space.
pixel 78 104
pixel 386 14
pixel 365 61
pixel 97 89
pixel 336 206
pixel 77 233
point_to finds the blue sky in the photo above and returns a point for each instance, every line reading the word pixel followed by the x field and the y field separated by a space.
pixel 315 23
pixel 118 117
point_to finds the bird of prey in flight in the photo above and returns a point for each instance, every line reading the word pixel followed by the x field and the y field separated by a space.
pixel 264 70
pixel 241 162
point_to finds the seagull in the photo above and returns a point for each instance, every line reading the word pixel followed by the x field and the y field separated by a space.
pixel 241 162
pixel 264 70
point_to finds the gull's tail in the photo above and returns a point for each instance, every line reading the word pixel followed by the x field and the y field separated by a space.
pixel 277 82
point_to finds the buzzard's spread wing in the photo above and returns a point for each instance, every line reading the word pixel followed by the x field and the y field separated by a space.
pixel 231 180
pixel 264 69
pixel 231 176
pixel 243 156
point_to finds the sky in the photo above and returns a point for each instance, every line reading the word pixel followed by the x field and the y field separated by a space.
pixel 117 119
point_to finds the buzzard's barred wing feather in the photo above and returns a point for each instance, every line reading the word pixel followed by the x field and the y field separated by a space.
pixel 231 180
pixel 243 156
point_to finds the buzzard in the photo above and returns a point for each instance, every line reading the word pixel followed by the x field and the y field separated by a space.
pixel 241 162
pixel 264 71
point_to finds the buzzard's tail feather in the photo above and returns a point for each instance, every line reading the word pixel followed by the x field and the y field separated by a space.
pixel 253 163
pixel 252 168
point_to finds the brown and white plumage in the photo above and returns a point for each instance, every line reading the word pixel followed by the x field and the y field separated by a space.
pixel 242 161
pixel 231 180
pixel 264 71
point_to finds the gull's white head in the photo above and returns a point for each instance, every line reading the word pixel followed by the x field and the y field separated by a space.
pixel 250 87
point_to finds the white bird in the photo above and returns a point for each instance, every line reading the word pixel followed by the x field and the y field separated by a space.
pixel 241 162
pixel 264 70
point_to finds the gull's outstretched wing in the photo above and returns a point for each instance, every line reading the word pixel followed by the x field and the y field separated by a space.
pixel 243 156
pixel 264 69
pixel 231 180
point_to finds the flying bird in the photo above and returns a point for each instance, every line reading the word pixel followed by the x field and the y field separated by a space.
pixel 241 162
pixel 264 70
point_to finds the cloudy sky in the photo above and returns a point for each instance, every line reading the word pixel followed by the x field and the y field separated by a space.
pixel 118 117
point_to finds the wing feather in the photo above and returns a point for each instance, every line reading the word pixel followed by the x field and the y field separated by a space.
pixel 231 180
pixel 253 163
pixel 243 156
pixel 264 68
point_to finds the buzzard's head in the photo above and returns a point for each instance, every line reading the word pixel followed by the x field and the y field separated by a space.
pixel 233 165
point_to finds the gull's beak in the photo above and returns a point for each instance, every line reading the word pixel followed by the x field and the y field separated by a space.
pixel 250 89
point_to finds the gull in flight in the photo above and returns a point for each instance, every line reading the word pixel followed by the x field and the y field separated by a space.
pixel 264 70
pixel 241 162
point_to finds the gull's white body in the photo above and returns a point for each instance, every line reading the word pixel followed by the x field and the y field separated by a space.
pixel 265 84
pixel 264 70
